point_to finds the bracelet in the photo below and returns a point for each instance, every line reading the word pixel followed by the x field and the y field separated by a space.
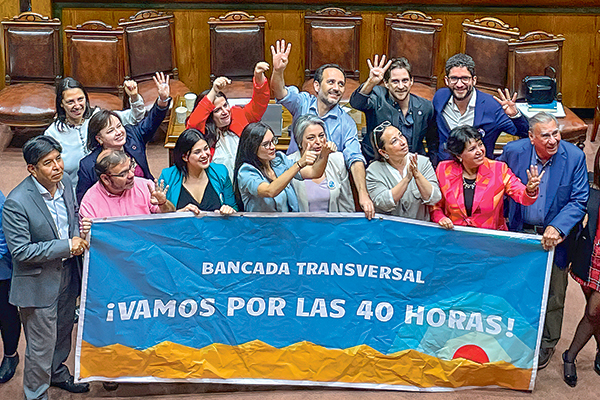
pixel 298 164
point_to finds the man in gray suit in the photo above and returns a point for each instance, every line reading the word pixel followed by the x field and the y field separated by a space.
pixel 40 223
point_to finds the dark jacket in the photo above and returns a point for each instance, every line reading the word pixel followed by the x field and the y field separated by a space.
pixel 135 145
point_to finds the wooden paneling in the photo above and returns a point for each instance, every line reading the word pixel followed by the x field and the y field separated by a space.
pixel 580 58
pixel 7 9
pixel 43 7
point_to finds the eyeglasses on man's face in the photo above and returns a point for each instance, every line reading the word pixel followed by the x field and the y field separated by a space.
pixel 132 165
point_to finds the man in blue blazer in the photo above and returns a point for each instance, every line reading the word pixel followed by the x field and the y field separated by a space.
pixel 461 104
pixel 556 214
pixel 42 232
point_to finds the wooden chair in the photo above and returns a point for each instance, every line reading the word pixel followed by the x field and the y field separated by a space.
pixel 531 55
pixel 486 40
pixel 237 43
pixel 95 57
pixel 332 36
pixel 150 45
pixel 32 60
pixel 416 36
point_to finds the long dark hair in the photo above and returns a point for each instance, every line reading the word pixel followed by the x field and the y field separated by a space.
pixel 64 85
pixel 210 128
pixel 185 142
pixel 251 138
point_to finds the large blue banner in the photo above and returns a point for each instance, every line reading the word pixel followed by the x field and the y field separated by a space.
pixel 305 299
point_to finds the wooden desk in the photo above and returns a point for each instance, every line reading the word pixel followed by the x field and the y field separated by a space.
pixel 174 129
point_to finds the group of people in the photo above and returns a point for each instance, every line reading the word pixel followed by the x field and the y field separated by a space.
pixel 431 161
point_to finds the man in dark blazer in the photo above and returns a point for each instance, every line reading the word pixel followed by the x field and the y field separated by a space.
pixel 412 115
pixel 41 225
pixel 556 214
pixel 461 104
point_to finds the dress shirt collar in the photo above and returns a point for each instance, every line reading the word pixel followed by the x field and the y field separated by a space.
pixel 472 101
pixel 45 193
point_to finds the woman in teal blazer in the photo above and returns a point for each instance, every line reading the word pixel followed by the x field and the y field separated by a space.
pixel 194 182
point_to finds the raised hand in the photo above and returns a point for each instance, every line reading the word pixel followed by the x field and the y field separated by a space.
pixel 308 158
pixel 377 69
pixel 259 72
pixel 158 193
pixel 220 83
pixel 281 55
pixel 533 179
pixel 162 86
pixel 508 103
pixel 131 88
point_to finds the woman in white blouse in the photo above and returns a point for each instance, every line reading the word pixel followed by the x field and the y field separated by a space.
pixel 331 191
pixel 400 183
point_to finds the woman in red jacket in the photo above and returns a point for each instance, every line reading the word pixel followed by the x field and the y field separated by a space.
pixel 222 124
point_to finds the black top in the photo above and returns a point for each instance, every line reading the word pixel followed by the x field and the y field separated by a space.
pixel 210 200
pixel 469 193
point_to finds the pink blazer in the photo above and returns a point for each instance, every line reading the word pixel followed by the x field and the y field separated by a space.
pixel 494 180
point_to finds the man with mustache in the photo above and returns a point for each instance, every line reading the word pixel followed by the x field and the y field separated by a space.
pixel 461 104
pixel 42 232
pixel 557 212
pixel 119 192
pixel 330 84
pixel 412 115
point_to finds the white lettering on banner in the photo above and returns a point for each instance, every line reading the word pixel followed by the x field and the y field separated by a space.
pixel 455 319
pixel 361 271
pixel 319 308
pixel 247 267
pixel 313 269
pixel 187 308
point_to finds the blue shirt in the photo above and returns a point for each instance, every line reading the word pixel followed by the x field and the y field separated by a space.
pixel 339 126
pixel 5 258
pixel 535 214
pixel 249 178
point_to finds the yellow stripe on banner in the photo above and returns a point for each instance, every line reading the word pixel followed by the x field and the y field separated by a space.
pixel 300 361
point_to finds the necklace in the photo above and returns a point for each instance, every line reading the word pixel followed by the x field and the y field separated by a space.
pixel 467 185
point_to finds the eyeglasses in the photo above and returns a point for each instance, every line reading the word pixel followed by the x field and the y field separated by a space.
pixel 379 130
pixel 124 174
pixel 464 79
pixel 273 142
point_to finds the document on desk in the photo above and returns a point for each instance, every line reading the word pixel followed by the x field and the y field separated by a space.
pixel 559 113
pixel 311 299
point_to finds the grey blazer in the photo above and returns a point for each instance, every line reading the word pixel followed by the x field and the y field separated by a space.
pixel 380 182
pixel 34 244
pixel 340 193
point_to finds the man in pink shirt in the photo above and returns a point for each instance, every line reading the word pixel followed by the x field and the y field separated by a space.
pixel 119 192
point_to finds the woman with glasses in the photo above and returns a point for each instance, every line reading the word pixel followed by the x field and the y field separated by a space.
pixel 473 186
pixel 263 175
pixel 331 191
pixel 106 131
pixel 400 183
pixel 196 182
pixel 223 124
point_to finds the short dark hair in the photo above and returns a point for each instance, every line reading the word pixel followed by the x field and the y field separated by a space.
pixel 99 121
pixel 39 147
pixel 459 138
pixel 302 123
pixel 460 60
pixel 401 62
pixel 110 160
pixel 185 142
pixel 322 68
pixel 64 85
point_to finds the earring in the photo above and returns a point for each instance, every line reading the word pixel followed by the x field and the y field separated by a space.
pixel 386 156
pixel 459 159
